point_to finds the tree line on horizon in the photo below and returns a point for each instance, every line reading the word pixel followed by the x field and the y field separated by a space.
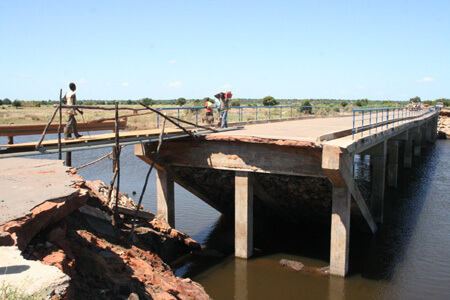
pixel 266 101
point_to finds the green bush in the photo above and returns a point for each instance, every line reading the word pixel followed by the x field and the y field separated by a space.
pixel 306 106
pixel 16 103
pixel 235 102
pixel 269 101
pixel 180 101
pixel 147 101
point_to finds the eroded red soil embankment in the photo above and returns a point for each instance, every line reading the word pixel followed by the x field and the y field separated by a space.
pixel 99 258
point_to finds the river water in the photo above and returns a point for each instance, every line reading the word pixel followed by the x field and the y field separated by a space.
pixel 408 258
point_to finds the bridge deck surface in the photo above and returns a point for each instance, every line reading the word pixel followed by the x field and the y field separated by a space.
pixel 305 130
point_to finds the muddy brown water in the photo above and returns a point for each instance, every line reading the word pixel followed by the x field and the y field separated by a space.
pixel 408 258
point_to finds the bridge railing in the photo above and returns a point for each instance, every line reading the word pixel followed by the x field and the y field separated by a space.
pixel 374 119
pixel 238 114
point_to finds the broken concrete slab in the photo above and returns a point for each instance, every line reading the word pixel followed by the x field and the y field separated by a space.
pixel 37 194
pixel 28 276
pixel 27 183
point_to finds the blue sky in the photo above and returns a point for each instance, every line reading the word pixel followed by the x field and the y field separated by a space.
pixel 380 50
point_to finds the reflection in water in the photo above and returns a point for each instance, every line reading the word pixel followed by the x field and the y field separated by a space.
pixel 336 288
pixel 240 279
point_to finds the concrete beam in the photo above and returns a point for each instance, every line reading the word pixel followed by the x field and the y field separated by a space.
pixel 392 170
pixel 243 224
pixel 143 152
pixel 242 156
pixel 165 197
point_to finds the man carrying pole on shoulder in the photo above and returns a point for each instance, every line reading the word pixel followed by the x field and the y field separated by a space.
pixel 224 98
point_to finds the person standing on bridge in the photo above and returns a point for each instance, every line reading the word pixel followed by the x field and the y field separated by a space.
pixel 71 100
pixel 209 111
pixel 224 104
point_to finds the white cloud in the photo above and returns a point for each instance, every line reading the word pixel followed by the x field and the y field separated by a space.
pixel 425 79
pixel 24 75
pixel 175 84
pixel 360 87
pixel 173 61
pixel 125 84
pixel 81 80
pixel 226 86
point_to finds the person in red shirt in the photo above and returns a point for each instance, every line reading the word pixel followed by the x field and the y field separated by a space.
pixel 209 111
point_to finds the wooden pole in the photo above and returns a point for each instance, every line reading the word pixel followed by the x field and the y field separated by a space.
pixel 196 125
pixel 60 125
pixel 46 127
pixel 116 210
pixel 168 119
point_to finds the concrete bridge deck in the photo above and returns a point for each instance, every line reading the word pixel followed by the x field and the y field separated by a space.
pixel 306 130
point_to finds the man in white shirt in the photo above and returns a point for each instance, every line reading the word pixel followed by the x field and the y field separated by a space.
pixel 71 99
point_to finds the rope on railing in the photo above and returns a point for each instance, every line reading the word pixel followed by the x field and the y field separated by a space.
pixel 95 161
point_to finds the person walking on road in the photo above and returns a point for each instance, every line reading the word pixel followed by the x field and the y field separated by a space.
pixel 71 100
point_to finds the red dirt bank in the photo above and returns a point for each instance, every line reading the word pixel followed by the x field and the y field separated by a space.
pixel 103 265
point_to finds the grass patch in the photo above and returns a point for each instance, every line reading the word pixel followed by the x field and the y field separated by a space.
pixel 11 292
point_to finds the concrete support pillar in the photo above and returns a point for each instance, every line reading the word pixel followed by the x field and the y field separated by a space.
pixel 428 131
pixel 434 123
pixel 423 135
pixel 340 231
pixel 243 223
pixel 407 157
pixel 392 170
pixel 417 142
pixel 378 160
pixel 165 197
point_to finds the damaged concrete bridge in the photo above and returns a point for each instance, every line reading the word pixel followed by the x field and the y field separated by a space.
pixel 299 170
